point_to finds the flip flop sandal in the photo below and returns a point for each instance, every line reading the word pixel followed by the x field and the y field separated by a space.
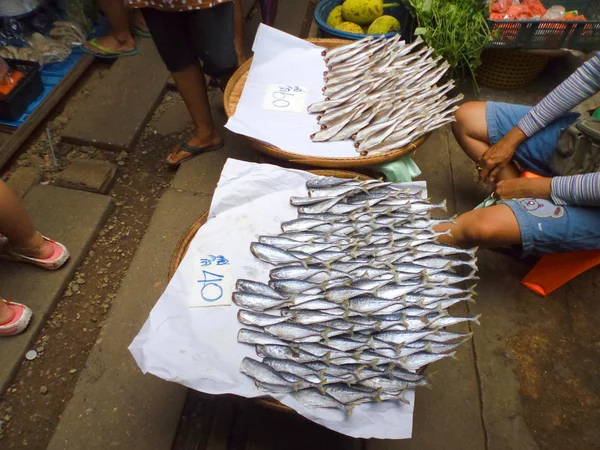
pixel 194 151
pixel 19 322
pixel 139 32
pixel 55 261
pixel 108 54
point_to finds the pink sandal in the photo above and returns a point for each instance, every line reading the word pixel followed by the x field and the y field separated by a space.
pixel 19 322
pixel 58 258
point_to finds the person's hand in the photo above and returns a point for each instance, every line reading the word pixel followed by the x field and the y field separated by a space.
pixel 523 188
pixel 498 156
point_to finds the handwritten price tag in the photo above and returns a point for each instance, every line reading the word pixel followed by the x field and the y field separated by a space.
pixel 213 281
pixel 283 97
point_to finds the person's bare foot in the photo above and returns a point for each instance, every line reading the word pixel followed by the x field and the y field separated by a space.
pixel 198 140
pixel 113 44
pixel 6 313
pixel 36 247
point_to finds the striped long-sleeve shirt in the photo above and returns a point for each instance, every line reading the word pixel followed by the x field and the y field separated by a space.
pixel 582 84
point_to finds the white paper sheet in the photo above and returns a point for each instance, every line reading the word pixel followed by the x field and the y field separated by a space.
pixel 198 347
pixel 280 58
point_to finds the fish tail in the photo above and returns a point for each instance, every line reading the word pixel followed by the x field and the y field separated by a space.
pixel 349 409
pixel 352 330
pixel 403 399
pixel 389 371
pixel 403 320
pixel 453 218
pixel 298 385
pixel 399 348
pixel 473 264
pixel 476 319
pixel 295 349
pixel 325 334
pixel 470 299
pixel 357 372
pixel 453 355
pixel 373 364
pixel 371 342
pixel 472 290
pixel 327 357
pixel 304 263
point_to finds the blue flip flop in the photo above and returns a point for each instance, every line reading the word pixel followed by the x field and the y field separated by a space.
pixel 139 32
pixel 108 54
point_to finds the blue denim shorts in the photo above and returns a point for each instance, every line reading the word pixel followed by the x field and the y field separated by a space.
pixel 545 227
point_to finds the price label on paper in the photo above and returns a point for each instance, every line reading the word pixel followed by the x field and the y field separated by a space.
pixel 284 97
pixel 213 281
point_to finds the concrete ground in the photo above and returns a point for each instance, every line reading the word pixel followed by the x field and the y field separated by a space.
pixel 528 379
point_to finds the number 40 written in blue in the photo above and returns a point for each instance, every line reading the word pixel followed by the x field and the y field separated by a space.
pixel 211 290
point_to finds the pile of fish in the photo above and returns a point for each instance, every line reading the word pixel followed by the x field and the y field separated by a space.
pixel 357 304
pixel 383 94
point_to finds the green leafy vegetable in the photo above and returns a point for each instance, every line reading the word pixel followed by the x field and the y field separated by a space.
pixel 456 29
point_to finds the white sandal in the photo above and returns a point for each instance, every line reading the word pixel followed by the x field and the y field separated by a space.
pixel 58 258
pixel 19 322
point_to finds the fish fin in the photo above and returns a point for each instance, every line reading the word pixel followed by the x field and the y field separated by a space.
pixel 373 364
pixel 470 299
pixel 357 372
pixel 476 319
pixel 325 334
pixel 472 290
pixel 298 385
pixel 448 266
pixel 304 263
pixel 453 355
pixel 403 320
pixel 424 276
pixel 390 370
pixel 399 348
pixel 295 349
pixel 352 330
pixel 327 357
pixel 473 264
pixel 403 399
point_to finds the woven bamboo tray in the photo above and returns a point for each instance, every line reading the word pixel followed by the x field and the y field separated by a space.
pixel 232 95
pixel 185 240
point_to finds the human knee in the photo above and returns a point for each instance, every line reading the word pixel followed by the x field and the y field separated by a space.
pixel 466 112
pixel 477 232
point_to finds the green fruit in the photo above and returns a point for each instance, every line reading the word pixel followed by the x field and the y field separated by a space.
pixel 362 12
pixel 349 27
pixel 335 17
pixel 384 24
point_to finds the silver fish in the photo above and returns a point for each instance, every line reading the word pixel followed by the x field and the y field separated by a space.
pixel 450 320
pixel 391 384
pixel 293 332
pixel 311 317
pixel 370 305
pixel 274 255
pixel 314 274
pixel 315 305
pixel 246 336
pixel 312 398
pixel 256 302
pixel 255 287
pixel 417 360
pixel 402 337
pixel 449 278
pixel 261 372
pixel 328 53
pixel 346 395
pixel 317 182
pixel 258 319
pixel 443 336
pixel 433 347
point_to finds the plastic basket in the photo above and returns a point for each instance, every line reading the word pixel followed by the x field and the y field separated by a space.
pixel 581 35
pixel 400 12
pixel 509 69
pixel 25 92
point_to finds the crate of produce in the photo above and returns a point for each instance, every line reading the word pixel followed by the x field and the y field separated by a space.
pixel 397 10
pixel 29 88
pixel 571 32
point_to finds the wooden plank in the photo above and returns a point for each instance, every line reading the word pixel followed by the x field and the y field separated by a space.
pixel 118 108
pixel 8 148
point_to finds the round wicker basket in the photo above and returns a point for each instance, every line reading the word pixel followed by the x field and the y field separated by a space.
pixel 186 239
pixel 232 94
pixel 509 69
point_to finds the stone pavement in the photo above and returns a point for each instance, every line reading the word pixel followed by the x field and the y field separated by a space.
pixel 71 217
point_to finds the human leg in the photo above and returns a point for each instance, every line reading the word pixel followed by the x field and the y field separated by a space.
pixel 471 132
pixel 16 225
pixel 170 31
pixel 119 39
pixel 495 226
pixel 268 11
pixel 14 317
pixel 239 31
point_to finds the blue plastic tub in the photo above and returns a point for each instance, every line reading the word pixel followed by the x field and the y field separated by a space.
pixel 399 12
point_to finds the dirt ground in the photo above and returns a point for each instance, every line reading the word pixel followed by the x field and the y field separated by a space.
pixel 31 408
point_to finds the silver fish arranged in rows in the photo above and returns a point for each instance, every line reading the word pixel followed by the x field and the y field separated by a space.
pixel 356 305
pixel 383 94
